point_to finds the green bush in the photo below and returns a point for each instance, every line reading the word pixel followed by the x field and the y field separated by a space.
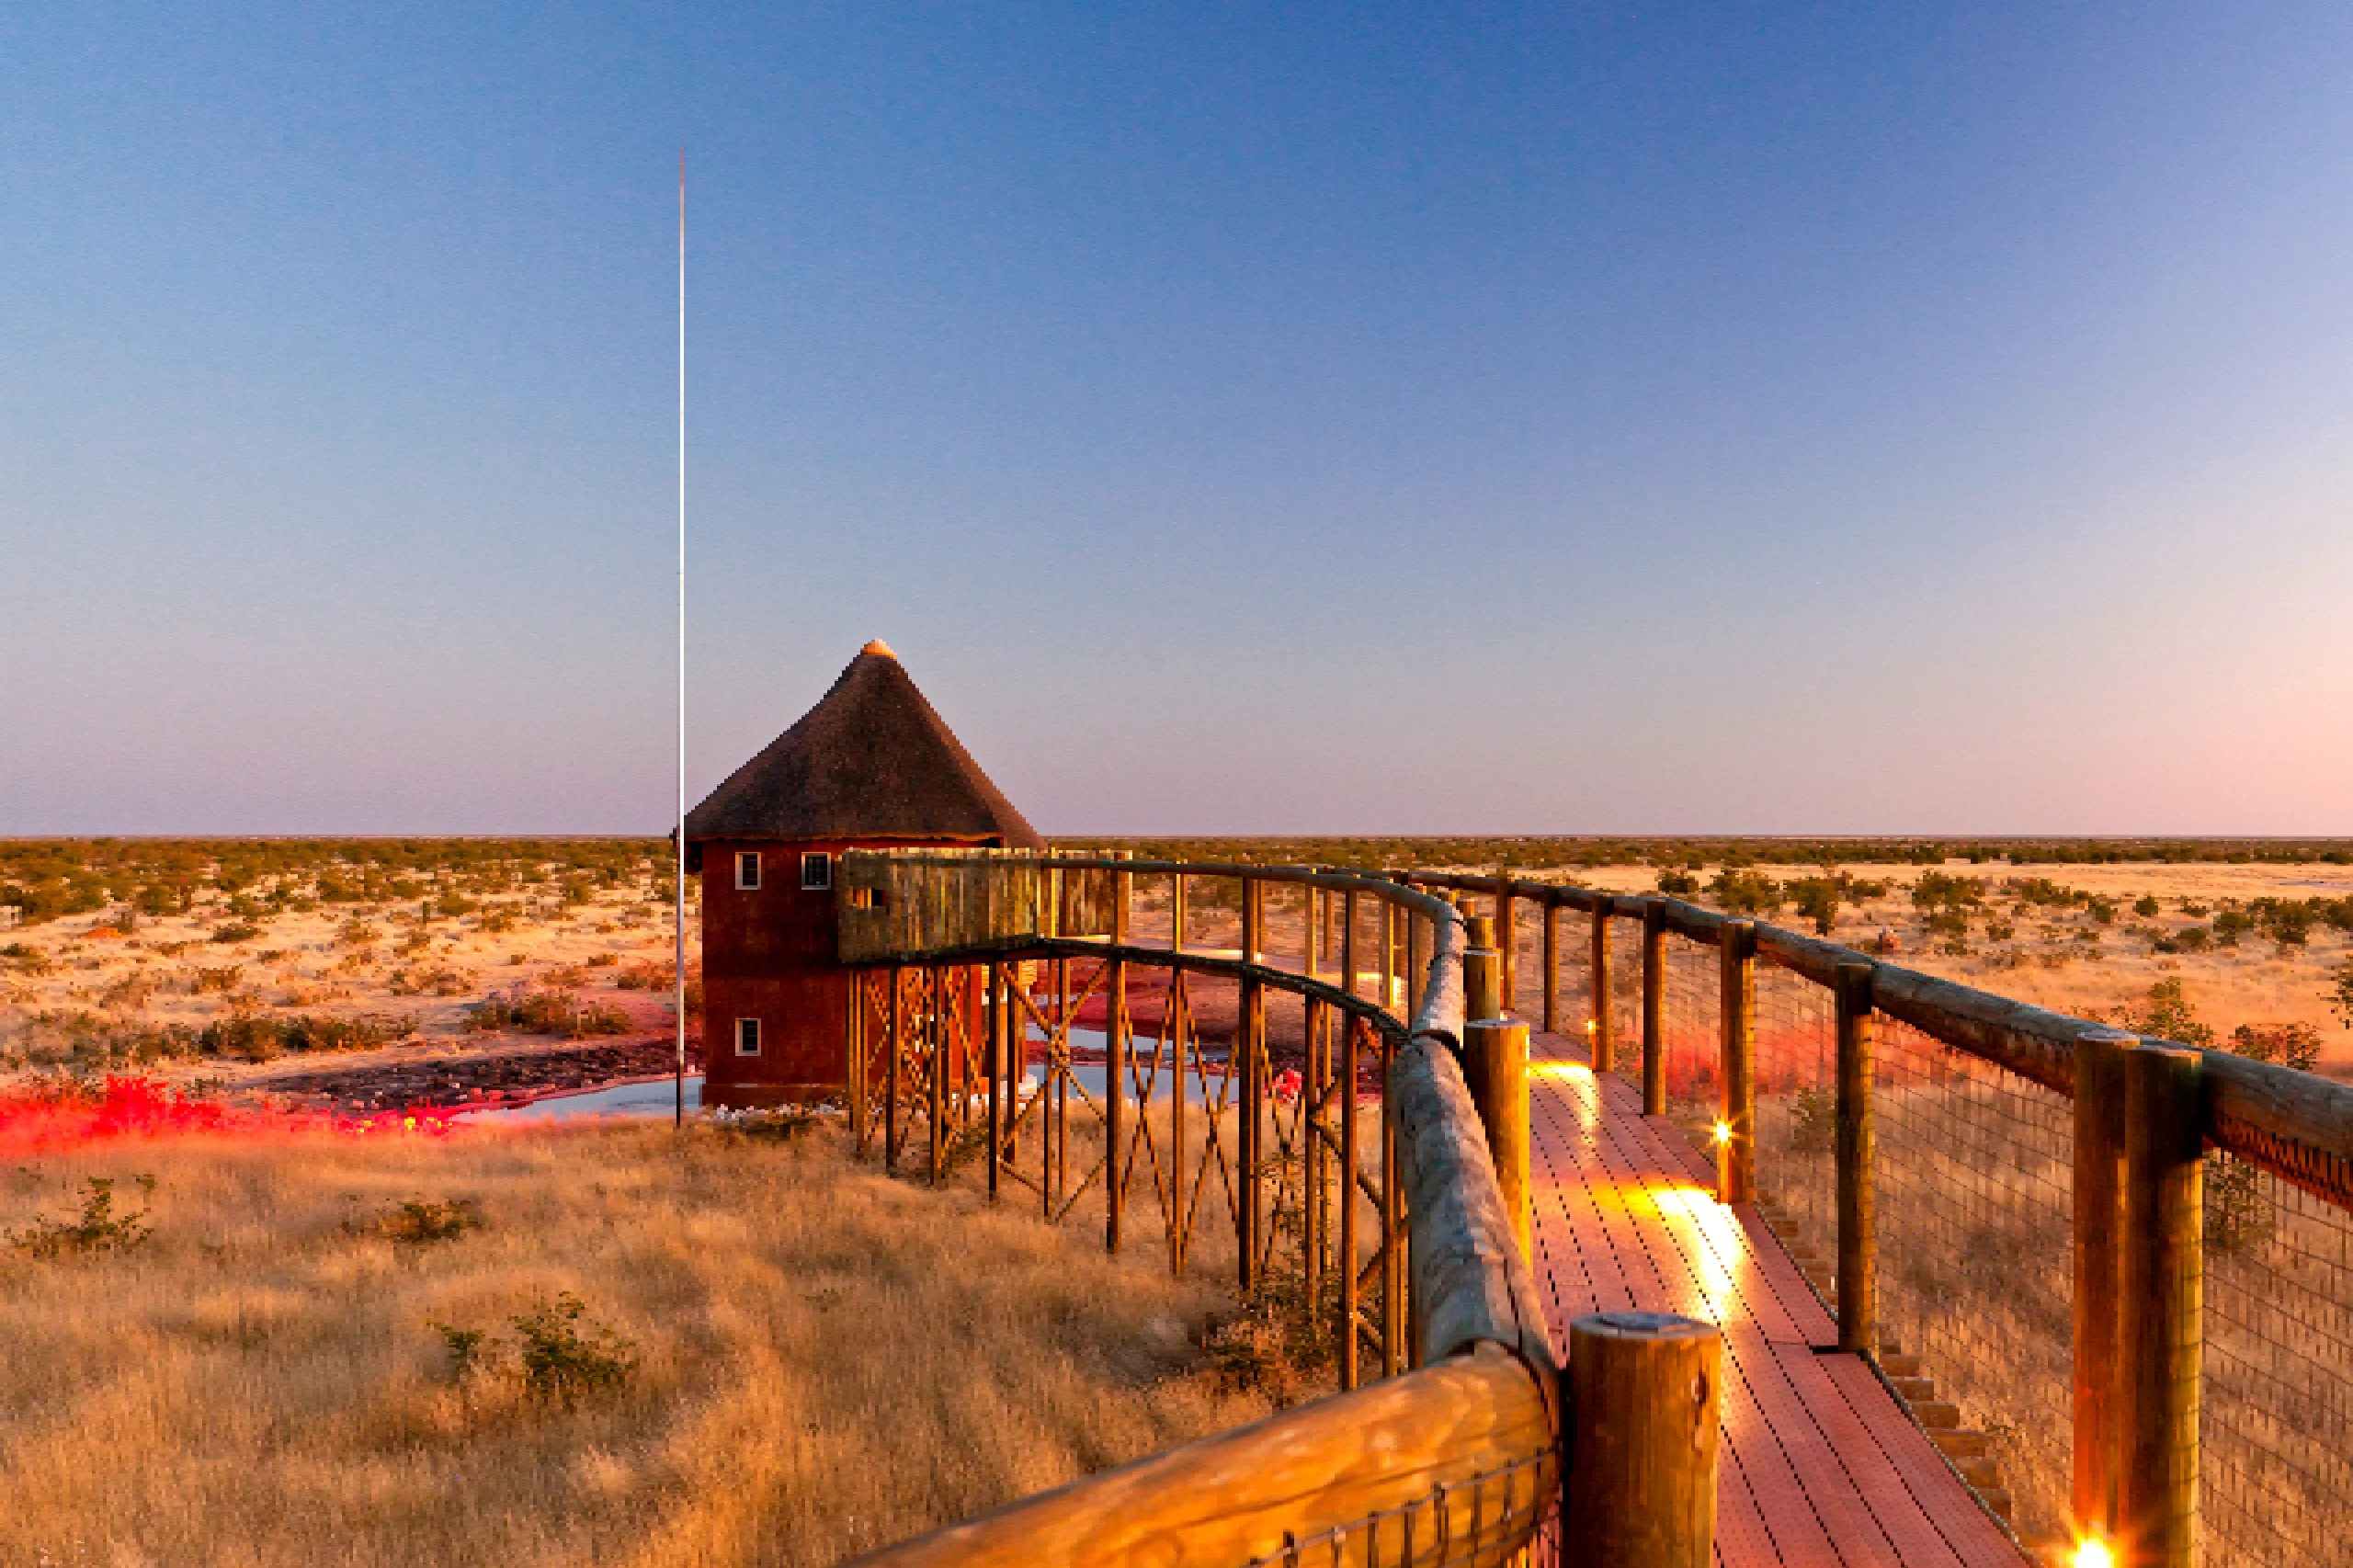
pixel 100 1229
pixel 561 1363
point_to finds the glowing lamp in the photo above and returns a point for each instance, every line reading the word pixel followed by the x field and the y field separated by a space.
pixel 1591 1024
pixel 1722 1132
pixel 2093 1553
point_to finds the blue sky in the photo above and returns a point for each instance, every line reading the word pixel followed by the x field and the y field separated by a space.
pixel 1701 418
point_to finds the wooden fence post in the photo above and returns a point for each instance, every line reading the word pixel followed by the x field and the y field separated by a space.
pixel 2099 1228
pixel 1600 1035
pixel 855 1077
pixel 1858 1206
pixel 1737 1128
pixel 1507 941
pixel 1350 1028
pixel 1639 1482
pixel 1655 1007
pixel 1483 990
pixel 2160 1342
pixel 891 1083
pixel 1494 1067
pixel 936 1075
pixel 1551 967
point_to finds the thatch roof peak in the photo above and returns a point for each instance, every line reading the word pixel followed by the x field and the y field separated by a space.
pixel 871 760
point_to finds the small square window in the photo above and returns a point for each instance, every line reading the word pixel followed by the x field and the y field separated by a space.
pixel 748 1037
pixel 817 871
pixel 747 870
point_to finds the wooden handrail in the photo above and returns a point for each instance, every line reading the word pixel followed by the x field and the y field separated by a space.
pixel 2298 1126
pixel 1239 1495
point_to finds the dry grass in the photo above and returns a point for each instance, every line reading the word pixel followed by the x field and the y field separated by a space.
pixel 828 1359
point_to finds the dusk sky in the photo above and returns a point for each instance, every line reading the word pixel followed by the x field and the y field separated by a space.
pixel 1348 418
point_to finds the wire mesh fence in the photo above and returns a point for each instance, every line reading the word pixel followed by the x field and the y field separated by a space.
pixel 1625 988
pixel 1477 1523
pixel 1974 1180
pixel 1796 1105
pixel 2276 1476
pixel 1693 1022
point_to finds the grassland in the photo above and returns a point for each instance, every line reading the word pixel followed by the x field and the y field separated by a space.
pixel 824 1358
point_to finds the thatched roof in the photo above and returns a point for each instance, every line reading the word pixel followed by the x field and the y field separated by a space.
pixel 871 760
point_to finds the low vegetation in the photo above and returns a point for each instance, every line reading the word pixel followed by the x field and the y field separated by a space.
pixel 607 1346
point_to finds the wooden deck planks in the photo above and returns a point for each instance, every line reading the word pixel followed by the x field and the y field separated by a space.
pixel 1821 1465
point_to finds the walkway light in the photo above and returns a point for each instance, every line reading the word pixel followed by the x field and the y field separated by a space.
pixel 1722 1133
pixel 2093 1553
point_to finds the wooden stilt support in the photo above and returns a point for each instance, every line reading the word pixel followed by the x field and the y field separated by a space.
pixel 891 1088
pixel 1736 1127
pixel 2160 1340
pixel 1494 1067
pixel 1639 1487
pixel 936 1072
pixel 1858 1205
pixel 1250 1042
pixel 993 1011
pixel 1114 1075
pixel 1351 1030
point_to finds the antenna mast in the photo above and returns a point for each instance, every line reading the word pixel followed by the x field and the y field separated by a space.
pixel 678 978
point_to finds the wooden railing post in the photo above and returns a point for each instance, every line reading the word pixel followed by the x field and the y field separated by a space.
pixel 1350 1029
pixel 2098 1226
pixel 1507 941
pixel 1858 1206
pixel 1494 1067
pixel 2160 1336
pixel 1551 967
pixel 1600 1035
pixel 1655 1007
pixel 1736 1127
pixel 1483 988
pixel 1640 1483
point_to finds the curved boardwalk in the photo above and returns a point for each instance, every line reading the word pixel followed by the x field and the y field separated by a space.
pixel 1821 1465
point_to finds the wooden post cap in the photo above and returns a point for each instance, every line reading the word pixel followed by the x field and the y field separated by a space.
pixel 1479 930
pixel 1643 1433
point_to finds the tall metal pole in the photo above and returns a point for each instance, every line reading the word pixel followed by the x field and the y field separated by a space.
pixel 678 981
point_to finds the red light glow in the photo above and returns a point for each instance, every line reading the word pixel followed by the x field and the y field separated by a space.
pixel 46 1117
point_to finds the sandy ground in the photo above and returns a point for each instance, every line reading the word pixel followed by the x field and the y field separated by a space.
pixel 416 981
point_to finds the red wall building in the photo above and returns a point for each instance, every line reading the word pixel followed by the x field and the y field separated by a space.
pixel 871 767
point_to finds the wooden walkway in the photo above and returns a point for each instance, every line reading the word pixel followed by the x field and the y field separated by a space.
pixel 1821 1465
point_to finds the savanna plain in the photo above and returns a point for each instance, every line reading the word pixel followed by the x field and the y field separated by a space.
pixel 303 1316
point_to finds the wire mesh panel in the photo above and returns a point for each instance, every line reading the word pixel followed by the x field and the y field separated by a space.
pixel 1575 1006
pixel 1693 1023
pixel 1626 998
pixel 1478 1523
pixel 1974 1179
pixel 2277 1406
pixel 1797 1103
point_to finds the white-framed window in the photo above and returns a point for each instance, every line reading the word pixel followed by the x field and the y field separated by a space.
pixel 817 871
pixel 747 870
pixel 748 1037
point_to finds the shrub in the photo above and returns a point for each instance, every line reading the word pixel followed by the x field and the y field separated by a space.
pixel 1936 891
pixel 2339 995
pixel 2146 906
pixel 2290 1045
pixel 2166 1014
pixel 1817 900
pixel 220 980
pixel 25 959
pixel 545 1012
pixel 561 1363
pixel 1678 884
pixel 236 931
pixel 1745 893
pixel 418 1221
pixel 100 1229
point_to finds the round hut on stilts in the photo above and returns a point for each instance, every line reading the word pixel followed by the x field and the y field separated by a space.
pixel 871 767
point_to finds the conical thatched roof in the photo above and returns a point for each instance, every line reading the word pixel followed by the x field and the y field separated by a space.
pixel 871 760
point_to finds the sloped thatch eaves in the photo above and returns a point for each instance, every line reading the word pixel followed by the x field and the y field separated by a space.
pixel 871 760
